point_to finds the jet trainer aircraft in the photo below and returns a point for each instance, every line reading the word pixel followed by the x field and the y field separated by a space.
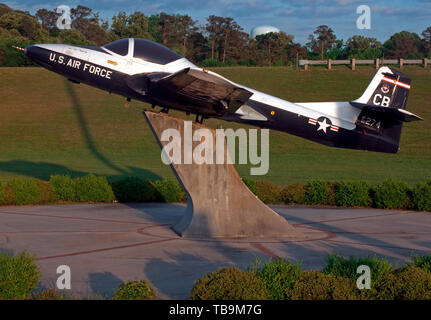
pixel 147 71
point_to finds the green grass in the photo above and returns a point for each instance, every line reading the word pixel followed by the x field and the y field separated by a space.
pixel 51 126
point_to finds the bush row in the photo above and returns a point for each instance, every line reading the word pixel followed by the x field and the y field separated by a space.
pixel 90 188
pixel 273 280
pixel 390 194
pixel 282 280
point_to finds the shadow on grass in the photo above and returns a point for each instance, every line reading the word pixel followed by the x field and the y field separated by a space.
pixel 86 132
pixel 43 170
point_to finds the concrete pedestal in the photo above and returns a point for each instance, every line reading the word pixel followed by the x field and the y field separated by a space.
pixel 219 204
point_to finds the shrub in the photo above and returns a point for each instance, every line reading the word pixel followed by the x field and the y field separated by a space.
pixel 391 194
pixel 95 189
pixel 317 192
pixel 331 195
pixel 251 184
pixel 25 190
pixel 47 194
pixel 135 290
pixel 48 294
pixel 353 193
pixel 421 262
pixel 293 193
pixel 338 266
pixel 19 276
pixel 279 277
pixel 421 197
pixel 267 192
pixel 211 63
pixel 170 190
pixel 6 195
pixel 133 189
pixel 229 284
pixel 408 283
pixel 64 187
pixel 314 285
pixel 2 192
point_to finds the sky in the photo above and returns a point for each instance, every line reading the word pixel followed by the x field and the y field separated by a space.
pixel 296 17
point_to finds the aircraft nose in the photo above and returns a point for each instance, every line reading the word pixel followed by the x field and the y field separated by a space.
pixel 29 51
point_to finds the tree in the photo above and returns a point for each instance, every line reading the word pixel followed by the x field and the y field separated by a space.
pixel 324 41
pixel 296 51
pixel 404 44
pixel 167 27
pixel 275 46
pixel 214 31
pixel 119 26
pixel 48 18
pixel 4 9
pixel 132 26
pixel 230 30
pixel 89 24
pixel 185 28
pixel 427 40
pixel 153 27
pixel 360 47
pixel 198 49
pixel 137 26
pixel 24 24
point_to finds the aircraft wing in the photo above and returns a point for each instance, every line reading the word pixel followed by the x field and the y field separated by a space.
pixel 195 87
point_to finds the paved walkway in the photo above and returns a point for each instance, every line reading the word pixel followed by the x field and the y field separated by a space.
pixel 106 244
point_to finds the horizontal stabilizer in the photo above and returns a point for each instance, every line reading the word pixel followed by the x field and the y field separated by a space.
pixel 388 112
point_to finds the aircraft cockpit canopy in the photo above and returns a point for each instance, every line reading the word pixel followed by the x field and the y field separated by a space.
pixel 154 52
pixel 120 47
pixel 145 50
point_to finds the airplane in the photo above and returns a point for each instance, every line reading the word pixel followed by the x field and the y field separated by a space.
pixel 150 72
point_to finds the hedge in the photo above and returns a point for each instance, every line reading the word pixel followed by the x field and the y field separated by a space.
pixel 89 188
pixel 64 187
pixel 25 191
pixel 229 284
pixel 170 191
pixel 408 283
pixel 135 290
pixel 339 266
pixel 293 194
pixel 47 294
pixel 267 192
pixel 317 192
pixel 315 285
pixel 353 194
pixel 422 262
pixel 279 277
pixel 391 194
pixel 421 197
pixel 282 280
pixel 134 189
pixel 95 189
pixel 19 276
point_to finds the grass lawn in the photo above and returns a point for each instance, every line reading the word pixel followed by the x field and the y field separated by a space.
pixel 49 125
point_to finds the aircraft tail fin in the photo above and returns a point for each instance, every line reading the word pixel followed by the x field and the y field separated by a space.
pixel 389 88
pixel 383 106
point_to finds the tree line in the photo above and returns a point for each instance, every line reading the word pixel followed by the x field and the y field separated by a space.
pixel 221 41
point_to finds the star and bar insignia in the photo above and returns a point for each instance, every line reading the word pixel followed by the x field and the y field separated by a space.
pixel 324 124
